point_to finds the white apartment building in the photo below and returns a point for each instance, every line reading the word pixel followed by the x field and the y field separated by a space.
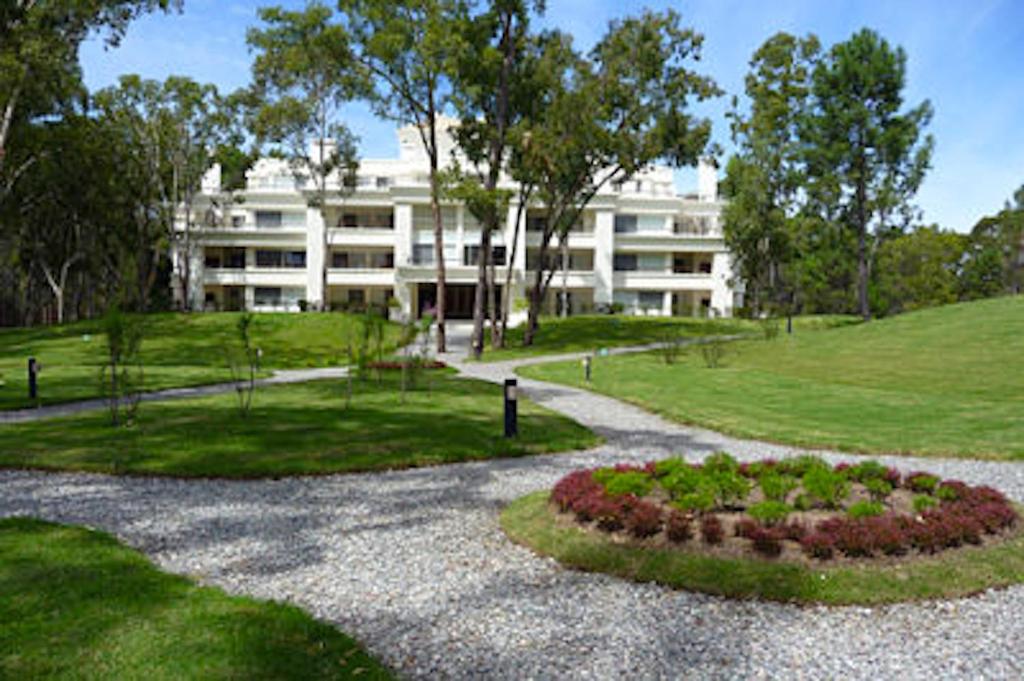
pixel 639 244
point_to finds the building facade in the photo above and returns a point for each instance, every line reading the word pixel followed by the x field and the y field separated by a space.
pixel 639 246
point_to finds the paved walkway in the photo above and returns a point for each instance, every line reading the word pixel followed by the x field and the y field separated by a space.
pixel 279 377
pixel 414 564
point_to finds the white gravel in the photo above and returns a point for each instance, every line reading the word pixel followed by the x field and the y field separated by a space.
pixel 413 564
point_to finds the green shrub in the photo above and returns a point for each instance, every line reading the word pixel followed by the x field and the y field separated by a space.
pixel 923 502
pixel 947 492
pixel 777 487
pixel 865 509
pixel 729 486
pixel 683 480
pixel 669 466
pixel 770 512
pixel 712 350
pixel 800 465
pixel 618 483
pixel 922 482
pixel 867 470
pixel 803 502
pixel 878 488
pixel 826 485
pixel 721 462
pixel 770 327
pixel 701 500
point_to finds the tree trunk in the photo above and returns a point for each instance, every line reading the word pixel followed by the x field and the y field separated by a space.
pixel 479 302
pixel 565 277
pixel 492 305
pixel 435 208
pixel 862 250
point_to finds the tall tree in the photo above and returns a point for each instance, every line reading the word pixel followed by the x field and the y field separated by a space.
pixel 606 118
pixel 39 41
pixel 764 176
pixel 405 47
pixel 865 158
pixel 918 269
pixel 303 76
pixel 492 92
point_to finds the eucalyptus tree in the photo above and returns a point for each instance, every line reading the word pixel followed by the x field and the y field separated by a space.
pixel 494 91
pixel 405 49
pixel 39 43
pixel 606 118
pixel 303 77
pixel 764 177
pixel 865 158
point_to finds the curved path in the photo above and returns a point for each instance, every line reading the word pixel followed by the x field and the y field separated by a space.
pixel 413 563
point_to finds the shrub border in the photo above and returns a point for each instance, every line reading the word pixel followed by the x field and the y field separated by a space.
pixel 533 522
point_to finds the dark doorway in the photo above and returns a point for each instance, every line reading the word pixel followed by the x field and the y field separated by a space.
pixel 458 299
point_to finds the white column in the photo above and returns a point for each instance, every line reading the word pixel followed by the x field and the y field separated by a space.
pixel 403 256
pixel 315 259
pixel 604 257
pixel 666 304
pixel 721 291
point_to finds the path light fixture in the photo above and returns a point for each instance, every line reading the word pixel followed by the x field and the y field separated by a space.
pixel 587 365
pixel 34 368
pixel 511 413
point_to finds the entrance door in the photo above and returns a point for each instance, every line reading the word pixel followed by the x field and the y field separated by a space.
pixel 458 299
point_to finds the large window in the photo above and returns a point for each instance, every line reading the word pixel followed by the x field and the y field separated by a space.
pixel 268 218
pixel 278 259
pixel 268 259
pixel 369 219
pixel 471 255
pixel 296 259
pixel 625 262
pixel 651 299
pixel 423 254
pixel 268 296
pixel 625 224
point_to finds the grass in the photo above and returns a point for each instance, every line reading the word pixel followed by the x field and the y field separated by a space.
pixel 531 521
pixel 78 604
pixel 947 381
pixel 177 350
pixel 589 333
pixel 297 430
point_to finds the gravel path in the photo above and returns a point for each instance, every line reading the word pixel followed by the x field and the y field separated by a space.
pixel 279 377
pixel 413 563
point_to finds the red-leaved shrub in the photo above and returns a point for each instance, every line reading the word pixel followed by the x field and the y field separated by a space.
pixel 643 519
pixel 678 527
pixel 711 530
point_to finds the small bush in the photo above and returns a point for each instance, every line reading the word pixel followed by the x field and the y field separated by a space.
pixel 819 545
pixel 777 487
pixel 721 462
pixel 951 490
pixel 865 509
pixel 682 480
pixel 711 530
pixel 729 486
pixel 923 502
pixel 799 466
pixel 702 500
pixel 867 470
pixel 770 512
pixel 827 486
pixel 767 542
pixel 921 482
pixel 643 519
pixel 879 488
pixel 678 528
pixel 770 327
pixel 712 351
pixel 746 527
pixel 617 482
pixel 803 502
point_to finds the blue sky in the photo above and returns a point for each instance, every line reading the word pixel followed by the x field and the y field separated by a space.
pixel 966 56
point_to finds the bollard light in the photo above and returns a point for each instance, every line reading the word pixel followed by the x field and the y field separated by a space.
pixel 511 425
pixel 33 369
pixel 587 368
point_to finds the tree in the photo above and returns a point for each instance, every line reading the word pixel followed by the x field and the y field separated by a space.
pixel 39 41
pixel 303 76
pixel 405 48
pixel 764 177
pixel 918 269
pixel 492 93
pixel 865 159
pixel 995 256
pixel 606 118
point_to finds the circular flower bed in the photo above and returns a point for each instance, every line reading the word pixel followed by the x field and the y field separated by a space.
pixel 794 520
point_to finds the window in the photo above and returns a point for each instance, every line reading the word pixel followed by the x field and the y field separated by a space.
pixel 268 218
pixel 349 220
pixel 357 296
pixel 624 262
pixel 423 254
pixel 498 255
pixel 268 258
pixel 237 220
pixel 212 259
pixel 267 296
pixel 234 258
pixel 704 267
pixel 682 264
pixel 383 182
pixel 382 261
pixel 536 223
pixel 296 259
pixel 650 299
pixel 625 224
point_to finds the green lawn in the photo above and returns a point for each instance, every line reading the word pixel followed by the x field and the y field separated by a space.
pixel 532 521
pixel 78 604
pixel 297 429
pixel 947 381
pixel 177 350
pixel 585 333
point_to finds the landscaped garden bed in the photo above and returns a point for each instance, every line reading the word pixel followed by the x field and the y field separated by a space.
pixel 797 529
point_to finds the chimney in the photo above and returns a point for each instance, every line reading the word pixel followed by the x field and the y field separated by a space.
pixel 707 179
